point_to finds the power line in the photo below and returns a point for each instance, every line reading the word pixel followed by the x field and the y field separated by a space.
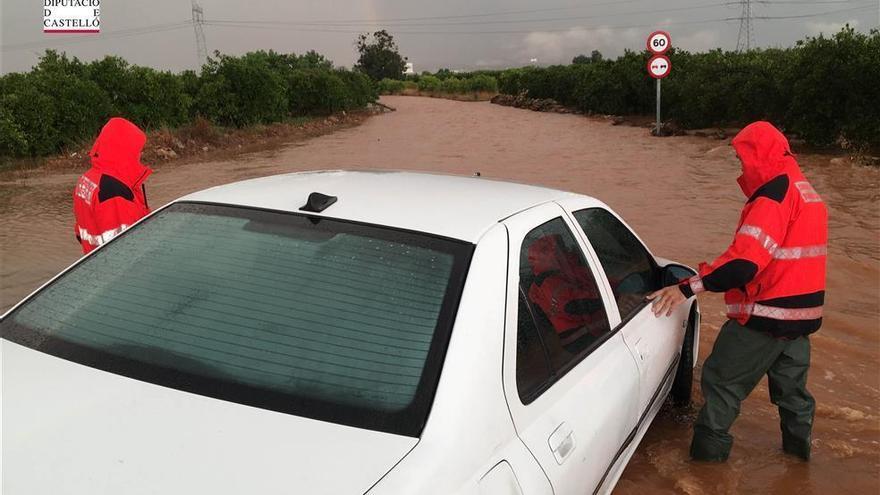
pixel 469 23
pixel 273 25
pixel 801 2
pixel 746 42
pixel 804 16
pixel 88 38
pixel 291 27
pixel 534 11
pixel 423 32
pixel 466 16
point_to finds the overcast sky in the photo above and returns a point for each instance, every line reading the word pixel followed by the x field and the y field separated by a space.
pixel 458 34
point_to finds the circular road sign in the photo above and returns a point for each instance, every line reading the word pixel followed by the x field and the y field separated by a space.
pixel 659 42
pixel 659 66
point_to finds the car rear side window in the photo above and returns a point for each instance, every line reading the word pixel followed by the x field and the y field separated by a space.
pixel 631 270
pixel 326 319
pixel 532 362
pixel 560 294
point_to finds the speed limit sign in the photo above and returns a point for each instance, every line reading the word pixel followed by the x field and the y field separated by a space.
pixel 659 64
pixel 659 42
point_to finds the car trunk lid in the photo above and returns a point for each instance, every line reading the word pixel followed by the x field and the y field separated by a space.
pixel 68 428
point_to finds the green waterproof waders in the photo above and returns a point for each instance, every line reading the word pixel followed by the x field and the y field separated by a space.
pixel 740 358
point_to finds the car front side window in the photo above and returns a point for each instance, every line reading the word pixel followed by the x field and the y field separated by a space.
pixel 631 270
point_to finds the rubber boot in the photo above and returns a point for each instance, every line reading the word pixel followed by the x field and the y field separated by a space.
pixel 739 359
pixel 788 390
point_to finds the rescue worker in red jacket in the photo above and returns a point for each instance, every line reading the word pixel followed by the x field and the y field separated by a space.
pixel 110 196
pixel 565 291
pixel 773 277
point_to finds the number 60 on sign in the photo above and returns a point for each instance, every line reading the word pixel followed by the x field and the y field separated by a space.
pixel 659 42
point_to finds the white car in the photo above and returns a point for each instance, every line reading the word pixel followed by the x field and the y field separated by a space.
pixel 346 333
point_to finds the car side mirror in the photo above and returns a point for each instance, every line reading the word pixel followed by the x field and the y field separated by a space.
pixel 672 274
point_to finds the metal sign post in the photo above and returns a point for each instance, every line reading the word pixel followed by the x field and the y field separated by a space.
pixel 659 65
pixel 658 106
pixel 658 68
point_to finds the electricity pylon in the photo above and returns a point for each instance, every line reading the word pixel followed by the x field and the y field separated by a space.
pixel 198 20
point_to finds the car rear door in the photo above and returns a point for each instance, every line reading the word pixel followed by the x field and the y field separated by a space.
pixel 572 401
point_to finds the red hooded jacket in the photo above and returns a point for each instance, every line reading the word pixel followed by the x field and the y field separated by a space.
pixel 564 290
pixel 110 196
pixel 773 274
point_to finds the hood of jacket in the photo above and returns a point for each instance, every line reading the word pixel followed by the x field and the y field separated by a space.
pixel 548 254
pixel 544 254
pixel 764 153
pixel 117 152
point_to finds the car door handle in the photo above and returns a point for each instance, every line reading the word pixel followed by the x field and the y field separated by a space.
pixel 641 348
pixel 644 352
pixel 562 442
pixel 638 348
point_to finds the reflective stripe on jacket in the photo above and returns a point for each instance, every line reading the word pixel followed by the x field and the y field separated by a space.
pixel 773 274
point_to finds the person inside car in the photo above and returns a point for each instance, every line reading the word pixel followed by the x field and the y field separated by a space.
pixel 566 293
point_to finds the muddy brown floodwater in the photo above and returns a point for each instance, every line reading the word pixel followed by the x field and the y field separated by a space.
pixel 679 193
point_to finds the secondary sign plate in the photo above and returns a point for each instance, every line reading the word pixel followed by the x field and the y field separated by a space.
pixel 659 66
pixel 659 42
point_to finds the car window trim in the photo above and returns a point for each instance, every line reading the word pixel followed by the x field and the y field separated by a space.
pixel 299 213
pixel 545 352
pixel 185 382
pixel 556 375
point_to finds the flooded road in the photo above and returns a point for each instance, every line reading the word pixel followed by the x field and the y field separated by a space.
pixel 681 196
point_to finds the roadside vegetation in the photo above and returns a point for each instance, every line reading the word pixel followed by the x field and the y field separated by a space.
pixel 823 89
pixel 378 56
pixel 468 86
pixel 62 102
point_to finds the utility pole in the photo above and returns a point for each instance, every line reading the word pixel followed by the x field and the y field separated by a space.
pixel 746 37
pixel 198 20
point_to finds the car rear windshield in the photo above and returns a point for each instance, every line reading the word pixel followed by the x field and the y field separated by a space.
pixel 326 319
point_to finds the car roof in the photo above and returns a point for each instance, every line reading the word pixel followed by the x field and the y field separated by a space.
pixel 457 207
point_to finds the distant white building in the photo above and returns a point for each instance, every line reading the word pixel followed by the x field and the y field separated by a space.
pixel 410 69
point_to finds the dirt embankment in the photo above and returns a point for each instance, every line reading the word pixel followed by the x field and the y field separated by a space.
pixel 678 193
pixel 552 106
pixel 468 96
pixel 202 140
pixel 533 104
